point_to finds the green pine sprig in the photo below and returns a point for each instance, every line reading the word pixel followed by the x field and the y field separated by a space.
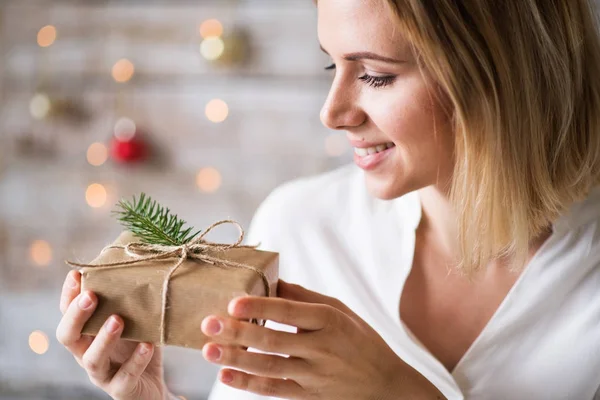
pixel 153 223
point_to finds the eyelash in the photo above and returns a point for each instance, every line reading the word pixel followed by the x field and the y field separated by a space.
pixel 376 82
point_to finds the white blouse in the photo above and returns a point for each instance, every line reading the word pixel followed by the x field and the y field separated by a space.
pixel 543 342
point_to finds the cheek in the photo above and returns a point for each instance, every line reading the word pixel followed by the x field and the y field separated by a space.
pixel 408 120
pixel 413 119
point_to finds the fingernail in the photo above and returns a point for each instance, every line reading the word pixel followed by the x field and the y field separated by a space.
pixel 213 326
pixel 113 325
pixel 71 282
pixel 143 349
pixel 226 376
pixel 85 301
pixel 214 353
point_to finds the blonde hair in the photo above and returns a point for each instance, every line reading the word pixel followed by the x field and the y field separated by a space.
pixel 522 77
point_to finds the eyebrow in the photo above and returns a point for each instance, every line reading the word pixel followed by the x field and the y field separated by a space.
pixel 365 55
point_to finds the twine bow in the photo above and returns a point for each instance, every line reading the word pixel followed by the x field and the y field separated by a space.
pixel 195 249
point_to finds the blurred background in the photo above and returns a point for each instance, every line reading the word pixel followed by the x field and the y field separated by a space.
pixel 206 105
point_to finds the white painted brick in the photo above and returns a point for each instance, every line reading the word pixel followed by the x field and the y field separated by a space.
pixel 272 135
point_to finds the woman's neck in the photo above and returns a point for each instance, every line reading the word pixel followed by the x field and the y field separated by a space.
pixel 439 221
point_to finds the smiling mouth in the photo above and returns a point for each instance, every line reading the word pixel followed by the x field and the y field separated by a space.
pixel 362 152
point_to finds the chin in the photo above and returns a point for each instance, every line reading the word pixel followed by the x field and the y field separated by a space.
pixel 385 188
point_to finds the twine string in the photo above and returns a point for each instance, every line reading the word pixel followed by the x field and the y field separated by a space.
pixel 197 249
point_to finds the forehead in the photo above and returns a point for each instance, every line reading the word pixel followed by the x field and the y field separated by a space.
pixel 351 25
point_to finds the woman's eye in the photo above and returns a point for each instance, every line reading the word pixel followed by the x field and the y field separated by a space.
pixel 373 81
pixel 377 81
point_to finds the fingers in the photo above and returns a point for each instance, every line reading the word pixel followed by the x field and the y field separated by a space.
pixel 95 360
pixel 306 316
pixel 271 366
pixel 282 388
pixel 231 331
pixel 126 379
pixel 70 290
pixel 295 292
pixel 68 332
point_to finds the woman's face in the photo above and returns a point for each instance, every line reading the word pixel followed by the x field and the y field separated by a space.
pixel 400 133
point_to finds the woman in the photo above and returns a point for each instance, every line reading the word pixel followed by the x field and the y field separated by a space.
pixel 462 260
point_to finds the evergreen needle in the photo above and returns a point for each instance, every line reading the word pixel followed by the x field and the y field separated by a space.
pixel 153 223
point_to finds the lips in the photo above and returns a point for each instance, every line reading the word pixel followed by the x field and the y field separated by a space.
pixel 369 158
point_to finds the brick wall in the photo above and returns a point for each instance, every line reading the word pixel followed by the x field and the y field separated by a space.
pixel 272 134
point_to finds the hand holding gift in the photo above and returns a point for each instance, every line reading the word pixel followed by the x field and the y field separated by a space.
pixel 159 282
pixel 124 369
pixel 335 354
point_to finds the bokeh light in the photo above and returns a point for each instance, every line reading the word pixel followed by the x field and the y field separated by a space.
pixel 40 252
pixel 125 129
pixel 46 36
pixel 97 154
pixel 217 110
pixel 95 195
pixel 40 106
pixel 208 179
pixel 123 70
pixel 212 48
pixel 211 28
pixel 38 342
pixel 336 145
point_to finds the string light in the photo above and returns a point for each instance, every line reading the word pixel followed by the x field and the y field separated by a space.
pixel 40 252
pixel 95 195
pixel 211 28
pixel 217 110
pixel 208 179
pixel 336 145
pixel 212 48
pixel 125 129
pixel 46 36
pixel 97 154
pixel 40 106
pixel 38 342
pixel 123 70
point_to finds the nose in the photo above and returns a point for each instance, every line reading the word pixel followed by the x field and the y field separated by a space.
pixel 341 111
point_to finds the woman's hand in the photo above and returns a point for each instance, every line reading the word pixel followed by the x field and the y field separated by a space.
pixel 334 355
pixel 124 369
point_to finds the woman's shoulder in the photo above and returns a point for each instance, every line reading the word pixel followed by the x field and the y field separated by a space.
pixel 304 195
pixel 582 213
pixel 580 225
pixel 570 259
pixel 321 207
pixel 320 188
pixel 309 203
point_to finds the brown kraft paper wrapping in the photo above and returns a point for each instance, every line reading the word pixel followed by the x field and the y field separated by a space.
pixel 196 290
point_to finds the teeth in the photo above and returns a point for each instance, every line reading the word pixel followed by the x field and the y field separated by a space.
pixel 362 152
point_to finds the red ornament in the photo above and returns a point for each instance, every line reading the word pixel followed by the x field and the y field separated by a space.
pixel 128 151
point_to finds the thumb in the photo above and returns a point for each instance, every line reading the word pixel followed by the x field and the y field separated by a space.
pixel 295 292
